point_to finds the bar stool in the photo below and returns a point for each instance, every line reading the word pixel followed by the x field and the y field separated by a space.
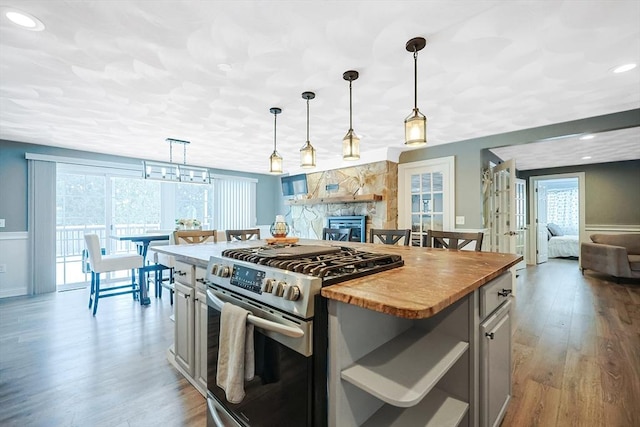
pixel 106 263
pixel 247 234
pixel 452 239
pixel 340 234
pixel 390 236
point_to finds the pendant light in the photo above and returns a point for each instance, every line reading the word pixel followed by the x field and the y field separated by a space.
pixel 350 142
pixel 307 152
pixel 415 126
pixel 275 161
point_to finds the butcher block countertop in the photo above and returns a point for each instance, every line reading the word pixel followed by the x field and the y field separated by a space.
pixel 429 281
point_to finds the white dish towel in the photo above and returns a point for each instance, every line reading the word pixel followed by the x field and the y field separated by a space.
pixel 236 353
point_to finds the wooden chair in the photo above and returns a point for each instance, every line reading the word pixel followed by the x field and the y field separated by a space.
pixel 99 264
pixel 452 239
pixel 341 234
pixel 390 236
pixel 248 234
pixel 194 237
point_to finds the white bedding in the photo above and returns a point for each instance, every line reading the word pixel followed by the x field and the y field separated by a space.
pixel 564 246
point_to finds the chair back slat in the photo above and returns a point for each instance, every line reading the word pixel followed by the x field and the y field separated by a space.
pixel 340 234
pixel 390 236
pixel 194 237
pixel 248 234
pixel 95 253
pixel 452 239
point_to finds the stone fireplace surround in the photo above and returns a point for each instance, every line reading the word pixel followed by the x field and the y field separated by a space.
pixel 380 178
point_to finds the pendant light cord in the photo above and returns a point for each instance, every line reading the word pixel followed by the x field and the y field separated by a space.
pixel 350 108
pixel 307 119
pixel 415 77
pixel 275 116
pixel 184 154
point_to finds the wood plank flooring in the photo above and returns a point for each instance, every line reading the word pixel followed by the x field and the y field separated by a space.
pixel 576 349
pixel 576 358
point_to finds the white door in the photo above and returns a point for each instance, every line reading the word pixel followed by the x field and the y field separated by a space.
pixel 521 222
pixel 426 198
pixel 540 209
pixel 502 213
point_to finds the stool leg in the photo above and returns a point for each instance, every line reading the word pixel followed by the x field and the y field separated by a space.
pixel 97 294
pixel 93 284
pixel 133 284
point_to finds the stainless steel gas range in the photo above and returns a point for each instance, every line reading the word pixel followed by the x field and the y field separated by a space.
pixel 280 287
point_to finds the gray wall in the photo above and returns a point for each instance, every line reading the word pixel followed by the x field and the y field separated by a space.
pixel 612 191
pixel 470 161
pixel 13 182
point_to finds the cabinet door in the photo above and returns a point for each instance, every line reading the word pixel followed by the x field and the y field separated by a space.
pixel 201 339
pixel 495 366
pixel 184 333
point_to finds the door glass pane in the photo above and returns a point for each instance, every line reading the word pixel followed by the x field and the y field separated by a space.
pixel 438 222
pixel 415 223
pixel 415 183
pixel 426 223
pixel 415 203
pixel 437 202
pixel 426 203
pixel 426 182
pixel 135 208
pixel 437 181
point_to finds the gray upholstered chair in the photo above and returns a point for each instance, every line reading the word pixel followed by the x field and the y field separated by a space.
pixel 617 255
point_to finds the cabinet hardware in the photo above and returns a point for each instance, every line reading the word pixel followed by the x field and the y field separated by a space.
pixel 489 335
pixel 504 292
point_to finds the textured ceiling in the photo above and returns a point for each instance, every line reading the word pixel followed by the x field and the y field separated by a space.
pixel 119 77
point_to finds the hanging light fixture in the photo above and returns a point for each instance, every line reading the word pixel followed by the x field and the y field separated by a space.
pixel 415 126
pixel 275 161
pixel 307 152
pixel 350 142
pixel 175 172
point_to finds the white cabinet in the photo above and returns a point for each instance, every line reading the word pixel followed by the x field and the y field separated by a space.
pixel 495 366
pixel 184 332
pixel 200 334
pixel 190 341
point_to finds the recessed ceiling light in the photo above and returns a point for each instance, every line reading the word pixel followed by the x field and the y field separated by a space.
pixel 623 68
pixel 585 137
pixel 586 157
pixel 22 19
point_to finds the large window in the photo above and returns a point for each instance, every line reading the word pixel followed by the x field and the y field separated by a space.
pixel 110 202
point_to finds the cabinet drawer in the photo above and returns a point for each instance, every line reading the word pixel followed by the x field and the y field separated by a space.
pixel 183 273
pixel 201 275
pixel 495 293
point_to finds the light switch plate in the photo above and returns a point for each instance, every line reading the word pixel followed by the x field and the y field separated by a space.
pixel 459 220
pixel 1 222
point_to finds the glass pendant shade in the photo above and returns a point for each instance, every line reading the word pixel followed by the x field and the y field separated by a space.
pixel 415 129
pixel 275 163
pixel 307 156
pixel 351 146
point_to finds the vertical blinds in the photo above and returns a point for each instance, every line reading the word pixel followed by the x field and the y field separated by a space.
pixel 234 203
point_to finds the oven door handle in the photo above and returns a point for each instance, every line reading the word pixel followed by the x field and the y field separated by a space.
pixel 268 325
pixel 214 413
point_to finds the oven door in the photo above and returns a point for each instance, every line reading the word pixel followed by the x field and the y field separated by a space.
pixel 281 391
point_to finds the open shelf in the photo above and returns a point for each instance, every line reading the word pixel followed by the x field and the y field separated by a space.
pixel 438 410
pixel 340 199
pixel 403 371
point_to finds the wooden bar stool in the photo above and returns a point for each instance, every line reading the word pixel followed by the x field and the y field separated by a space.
pixel 248 234
pixel 340 234
pixel 452 239
pixel 390 236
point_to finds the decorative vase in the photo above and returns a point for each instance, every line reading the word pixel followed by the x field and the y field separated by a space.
pixel 279 228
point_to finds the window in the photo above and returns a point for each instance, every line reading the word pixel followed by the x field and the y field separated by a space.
pixel 234 202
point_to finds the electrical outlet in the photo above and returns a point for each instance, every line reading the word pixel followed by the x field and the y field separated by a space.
pixel 3 268
pixel 459 220
pixel 1 222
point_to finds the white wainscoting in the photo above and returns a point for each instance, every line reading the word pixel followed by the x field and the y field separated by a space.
pixel 608 229
pixel 13 254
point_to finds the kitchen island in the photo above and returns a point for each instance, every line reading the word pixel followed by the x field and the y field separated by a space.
pixel 424 344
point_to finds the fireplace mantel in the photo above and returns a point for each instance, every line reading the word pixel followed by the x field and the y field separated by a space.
pixel 339 199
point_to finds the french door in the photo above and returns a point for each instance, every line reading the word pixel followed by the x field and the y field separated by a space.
pixel 426 196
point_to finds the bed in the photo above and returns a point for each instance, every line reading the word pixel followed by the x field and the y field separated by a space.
pixel 564 246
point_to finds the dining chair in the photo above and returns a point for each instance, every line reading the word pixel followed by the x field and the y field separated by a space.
pixel 452 239
pixel 248 234
pixel 390 236
pixel 341 234
pixel 99 264
pixel 162 262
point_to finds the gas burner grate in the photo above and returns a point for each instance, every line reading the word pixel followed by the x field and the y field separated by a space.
pixel 341 265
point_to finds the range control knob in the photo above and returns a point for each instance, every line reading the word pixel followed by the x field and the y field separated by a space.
pixel 267 285
pixel 224 271
pixel 278 290
pixel 293 293
pixel 214 270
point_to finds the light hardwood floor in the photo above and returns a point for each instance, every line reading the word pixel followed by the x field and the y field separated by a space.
pixel 576 357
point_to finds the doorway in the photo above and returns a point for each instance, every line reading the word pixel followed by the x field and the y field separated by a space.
pixel 558 216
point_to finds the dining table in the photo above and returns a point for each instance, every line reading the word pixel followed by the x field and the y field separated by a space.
pixel 142 242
